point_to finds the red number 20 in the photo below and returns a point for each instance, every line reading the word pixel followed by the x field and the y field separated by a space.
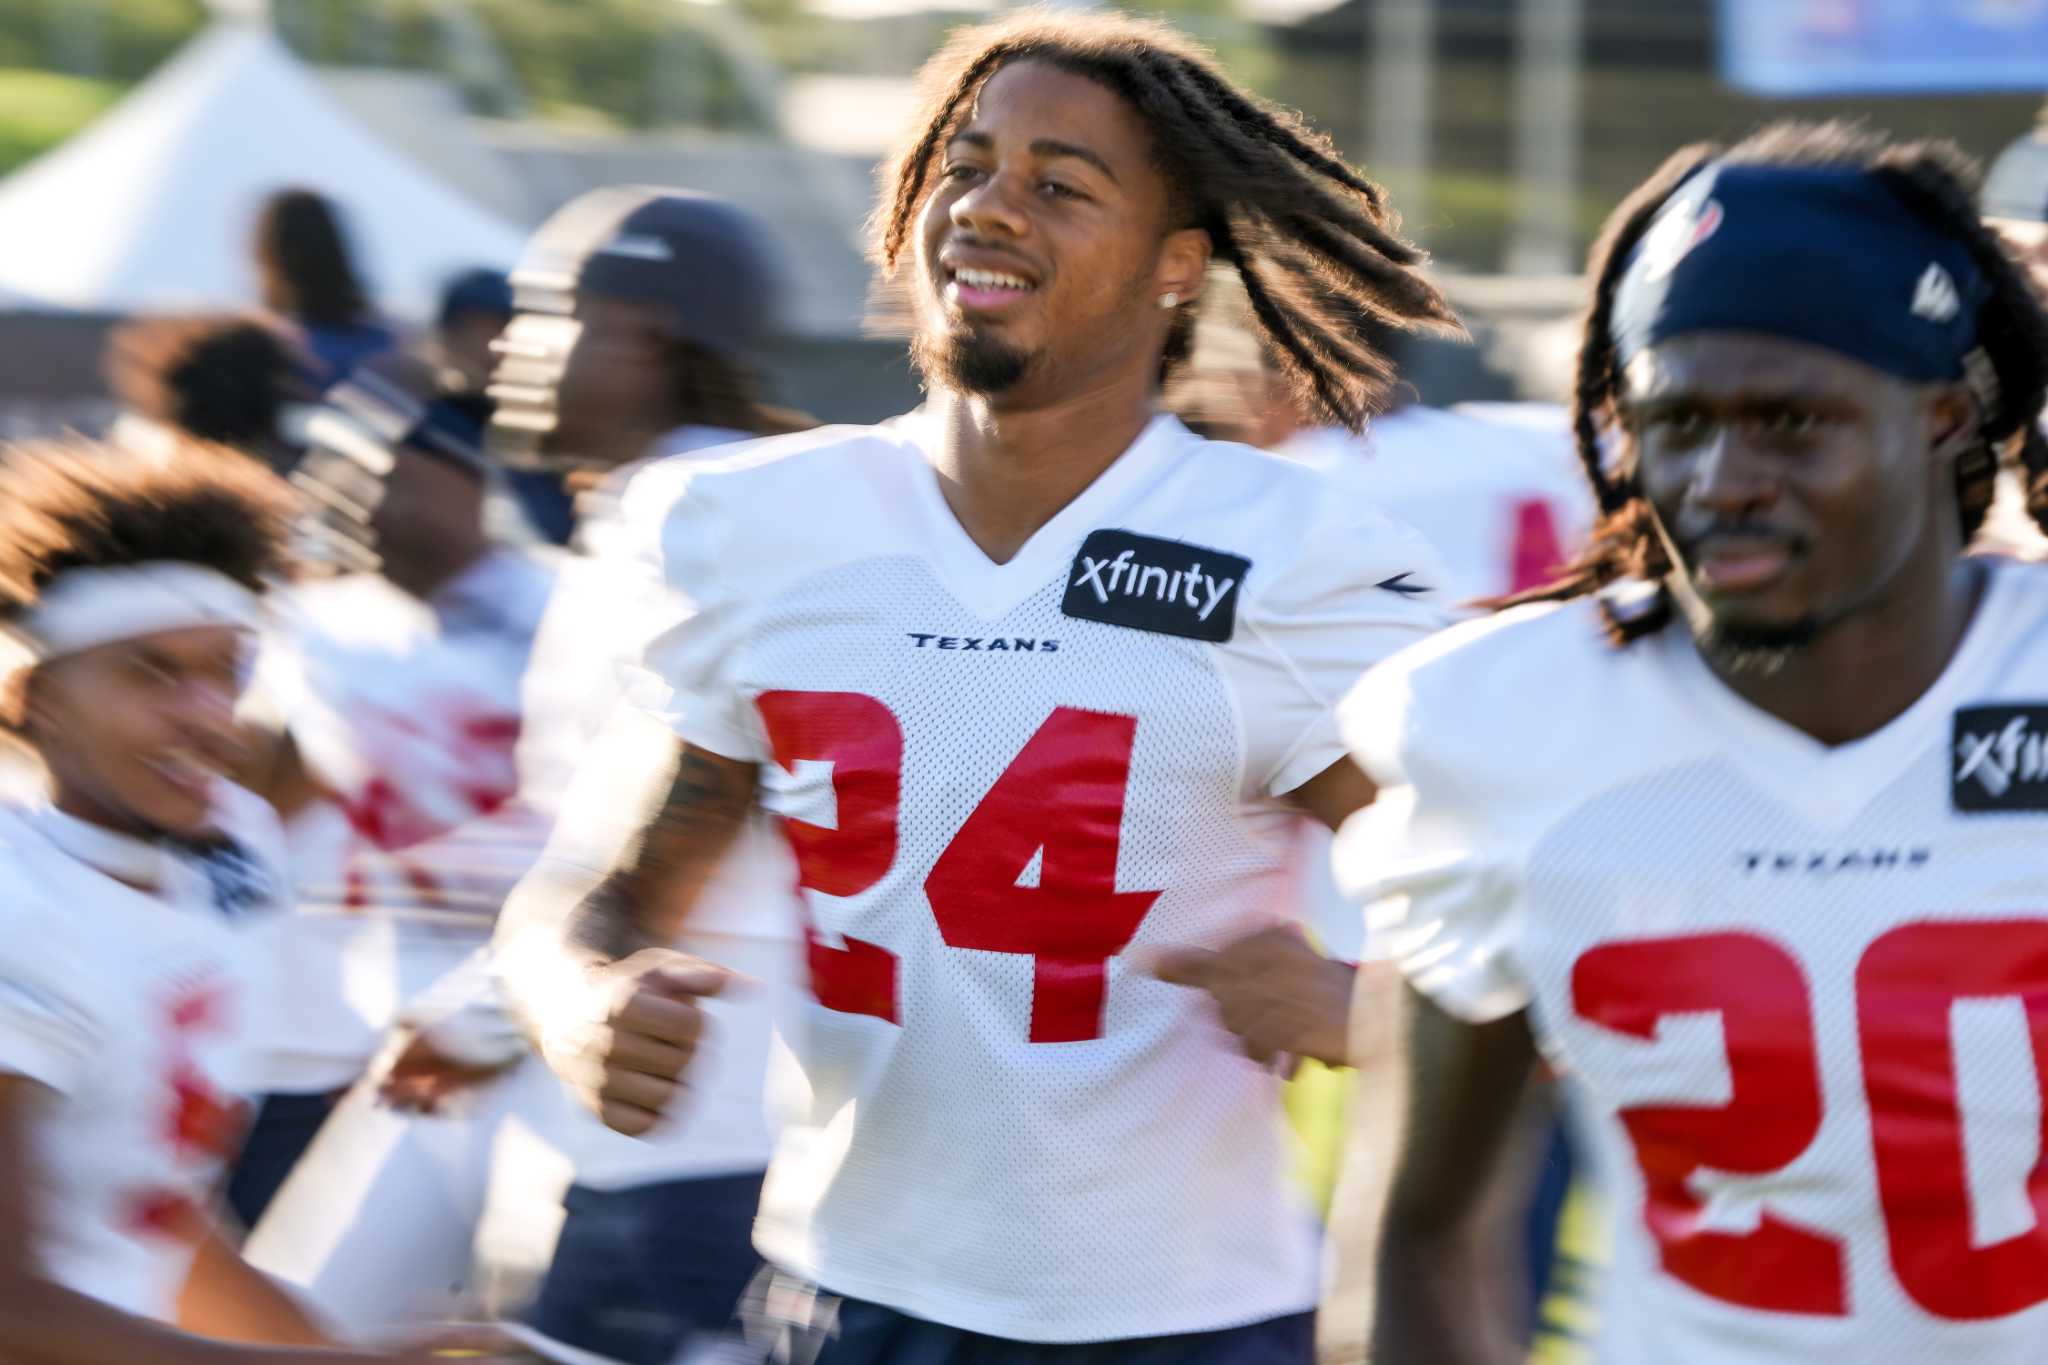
pixel 1905 985
pixel 1060 801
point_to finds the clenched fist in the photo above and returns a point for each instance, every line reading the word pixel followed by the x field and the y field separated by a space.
pixel 641 1022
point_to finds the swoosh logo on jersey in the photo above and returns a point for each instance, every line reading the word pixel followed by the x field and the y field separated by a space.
pixel 1168 587
pixel 1399 584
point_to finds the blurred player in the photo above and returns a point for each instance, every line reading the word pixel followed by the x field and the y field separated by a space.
pixel 397 690
pixel 309 279
pixel 675 293
pixel 1036 685
pixel 672 297
pixel 132 1007
pixel 1748 832
pixel 234 381
pixel 475 306
pixel 1506 506
pixel 2015 206
pixel 2015 198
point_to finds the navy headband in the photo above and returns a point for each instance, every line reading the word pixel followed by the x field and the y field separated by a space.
pixel 1823 255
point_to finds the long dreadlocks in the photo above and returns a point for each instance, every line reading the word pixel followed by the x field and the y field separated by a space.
pixel 1316 244
pixel 1935 180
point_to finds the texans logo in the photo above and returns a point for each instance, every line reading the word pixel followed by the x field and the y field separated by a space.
pixel 1675 236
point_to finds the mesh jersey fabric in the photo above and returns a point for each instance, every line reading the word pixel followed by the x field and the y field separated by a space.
pixel 1801 986
pixel 995 1120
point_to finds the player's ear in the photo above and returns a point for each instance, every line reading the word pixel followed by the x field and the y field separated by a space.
pixel 1183 265
pixel 27 703
pixel 1952 421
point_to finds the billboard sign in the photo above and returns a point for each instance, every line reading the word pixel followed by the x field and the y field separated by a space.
pixel 1837 47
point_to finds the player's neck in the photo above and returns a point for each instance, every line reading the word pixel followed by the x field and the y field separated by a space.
pixel 1006 471
pixel 1864 671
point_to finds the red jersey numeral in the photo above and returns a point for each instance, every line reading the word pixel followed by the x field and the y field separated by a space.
pixel 1772 1115
pixel 859 737
pixel 1060 802
pixel 1059 805
pixel 1906 985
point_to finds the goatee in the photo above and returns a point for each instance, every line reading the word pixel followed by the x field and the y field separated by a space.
pixel 1759 650
pixel 969 362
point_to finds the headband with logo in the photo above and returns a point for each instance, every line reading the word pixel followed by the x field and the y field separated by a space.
pixel 1822 255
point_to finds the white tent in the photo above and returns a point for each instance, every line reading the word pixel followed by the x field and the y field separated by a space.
pixel 152 206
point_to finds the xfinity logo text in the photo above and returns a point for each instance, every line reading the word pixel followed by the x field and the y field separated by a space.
pixel 2001 759
pixel 1169 587
pixel 1191 585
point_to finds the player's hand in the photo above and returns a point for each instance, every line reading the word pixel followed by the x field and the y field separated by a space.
pixel 422 1078
pixel 646 1024
pixel 1275 992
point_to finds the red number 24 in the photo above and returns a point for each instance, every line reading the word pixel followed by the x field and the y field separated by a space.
pixel 1060 802
pixel 1905 985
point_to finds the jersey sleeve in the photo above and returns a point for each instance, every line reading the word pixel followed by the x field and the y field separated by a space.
pixel 1435 864
pixel 695 618
pixel 48 1031
pixel 1361 589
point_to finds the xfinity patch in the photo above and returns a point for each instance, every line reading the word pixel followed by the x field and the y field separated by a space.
pixel 1168 587
pixel 2000 759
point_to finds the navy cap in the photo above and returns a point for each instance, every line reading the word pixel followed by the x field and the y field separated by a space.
pixel 708 260
pixel 2017 185
pixel 486 292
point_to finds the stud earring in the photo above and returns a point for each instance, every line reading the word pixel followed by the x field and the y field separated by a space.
pixel 1169 299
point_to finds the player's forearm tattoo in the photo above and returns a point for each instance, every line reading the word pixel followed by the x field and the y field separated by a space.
pixel 641 902
pixel 604 923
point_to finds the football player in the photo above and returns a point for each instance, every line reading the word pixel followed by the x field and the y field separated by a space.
pixel 1746 831
pixel 132 1002
pixel 1037 683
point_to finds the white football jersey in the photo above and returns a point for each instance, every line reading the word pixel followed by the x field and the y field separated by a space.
pixel 1503 502
pixel 1004 784
pixel 1497 492
pixel 1804 988
pixel 143 1014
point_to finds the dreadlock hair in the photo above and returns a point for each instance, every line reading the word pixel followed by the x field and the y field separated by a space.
pixel 1936 181
pixel 715 390
pixel 1317 245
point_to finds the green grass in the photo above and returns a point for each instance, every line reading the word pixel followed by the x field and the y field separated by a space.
pixel 39 109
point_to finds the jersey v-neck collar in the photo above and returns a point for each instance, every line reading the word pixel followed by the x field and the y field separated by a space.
pixel 1831 784
pixel 139 864
pixel 991 590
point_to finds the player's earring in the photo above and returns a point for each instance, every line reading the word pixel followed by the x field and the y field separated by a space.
pixel 1169 300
